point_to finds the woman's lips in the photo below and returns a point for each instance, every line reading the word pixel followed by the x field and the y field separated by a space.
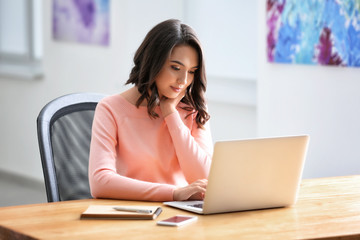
pixel 175 89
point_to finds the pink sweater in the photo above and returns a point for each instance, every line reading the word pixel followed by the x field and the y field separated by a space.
pixel 135 157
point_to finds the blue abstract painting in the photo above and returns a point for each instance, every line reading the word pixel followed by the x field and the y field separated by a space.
pixel 83 21
pixel 325 32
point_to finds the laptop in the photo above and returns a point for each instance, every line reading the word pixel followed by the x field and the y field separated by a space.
pixel 252 174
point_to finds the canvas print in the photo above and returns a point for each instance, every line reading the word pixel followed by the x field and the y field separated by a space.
pixel 325 32
pixel 83 21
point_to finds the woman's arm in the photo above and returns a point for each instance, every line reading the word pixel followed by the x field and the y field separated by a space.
pixel 104 181
pixel 193 148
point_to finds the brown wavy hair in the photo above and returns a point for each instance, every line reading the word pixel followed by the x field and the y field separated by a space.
pixel 152 55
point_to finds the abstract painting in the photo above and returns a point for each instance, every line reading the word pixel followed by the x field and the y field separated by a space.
pixel 325 32
pixel 82 21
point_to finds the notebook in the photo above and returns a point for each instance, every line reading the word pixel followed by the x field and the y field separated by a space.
pixel 252 174
pixel 121 212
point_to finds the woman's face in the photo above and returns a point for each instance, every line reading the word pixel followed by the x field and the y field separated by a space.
pixel 178 72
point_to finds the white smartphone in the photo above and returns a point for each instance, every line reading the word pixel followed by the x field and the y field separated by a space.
pixel 178 220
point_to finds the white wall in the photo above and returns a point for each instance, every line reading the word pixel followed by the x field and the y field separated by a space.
pixel 228 32
pixel 321 101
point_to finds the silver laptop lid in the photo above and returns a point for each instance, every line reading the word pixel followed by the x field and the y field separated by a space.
pixel 255 174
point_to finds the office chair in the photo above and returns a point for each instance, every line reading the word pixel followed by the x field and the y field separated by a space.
pixel 64 134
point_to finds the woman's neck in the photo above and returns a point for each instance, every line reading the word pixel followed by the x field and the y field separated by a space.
pixel 132 95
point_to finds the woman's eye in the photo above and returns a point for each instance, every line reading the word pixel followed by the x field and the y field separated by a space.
pixel 175 68
pixel 192 72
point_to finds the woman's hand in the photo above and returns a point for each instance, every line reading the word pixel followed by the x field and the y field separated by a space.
pixel 193 191
pixel 168 105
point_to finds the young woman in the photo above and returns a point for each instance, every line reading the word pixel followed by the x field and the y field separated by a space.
pixel 153 142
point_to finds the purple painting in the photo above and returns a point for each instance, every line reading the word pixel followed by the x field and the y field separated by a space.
pixel 83 21
pixel 314 32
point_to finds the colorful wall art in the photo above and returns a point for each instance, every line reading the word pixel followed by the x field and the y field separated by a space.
pixel 83 21
pixel 325 32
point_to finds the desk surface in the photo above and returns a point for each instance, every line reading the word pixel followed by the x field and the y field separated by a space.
pixel 327 208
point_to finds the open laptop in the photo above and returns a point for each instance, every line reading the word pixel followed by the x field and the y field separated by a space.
pixel 252 174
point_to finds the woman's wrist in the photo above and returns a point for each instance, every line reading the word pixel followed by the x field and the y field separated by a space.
pixel 175 194
pixel 166 111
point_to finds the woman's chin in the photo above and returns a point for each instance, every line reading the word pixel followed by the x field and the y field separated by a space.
pixel 171 95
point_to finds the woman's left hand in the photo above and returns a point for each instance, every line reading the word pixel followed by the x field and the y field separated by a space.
pixel 168 105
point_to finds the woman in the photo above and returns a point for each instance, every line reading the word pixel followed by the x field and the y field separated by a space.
pixel 153 142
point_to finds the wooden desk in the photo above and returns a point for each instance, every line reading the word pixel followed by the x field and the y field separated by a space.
pixel 327 208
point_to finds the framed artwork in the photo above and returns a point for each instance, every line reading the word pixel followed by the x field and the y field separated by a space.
pixel 82 21
pixel 324 32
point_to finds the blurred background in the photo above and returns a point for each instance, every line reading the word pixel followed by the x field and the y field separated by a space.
pixel 247 96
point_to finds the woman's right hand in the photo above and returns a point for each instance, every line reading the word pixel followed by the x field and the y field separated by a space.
pixel 193 191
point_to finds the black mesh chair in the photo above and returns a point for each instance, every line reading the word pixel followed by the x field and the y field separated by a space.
pixel 64 134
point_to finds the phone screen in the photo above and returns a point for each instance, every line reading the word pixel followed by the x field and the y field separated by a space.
pixel 178 220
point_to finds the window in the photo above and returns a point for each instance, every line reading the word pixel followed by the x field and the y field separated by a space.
pixel 20 39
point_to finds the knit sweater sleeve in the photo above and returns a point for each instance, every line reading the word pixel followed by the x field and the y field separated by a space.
pixel 193 147
pixel 104 181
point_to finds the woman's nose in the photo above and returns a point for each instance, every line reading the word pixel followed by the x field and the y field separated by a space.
pixel 182 79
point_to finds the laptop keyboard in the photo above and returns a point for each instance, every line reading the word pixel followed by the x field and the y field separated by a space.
pixel 197 205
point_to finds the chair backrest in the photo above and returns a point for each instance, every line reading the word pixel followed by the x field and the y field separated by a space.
pixel 64 134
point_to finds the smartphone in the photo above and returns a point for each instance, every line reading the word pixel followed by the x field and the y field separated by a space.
pixel 178 220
